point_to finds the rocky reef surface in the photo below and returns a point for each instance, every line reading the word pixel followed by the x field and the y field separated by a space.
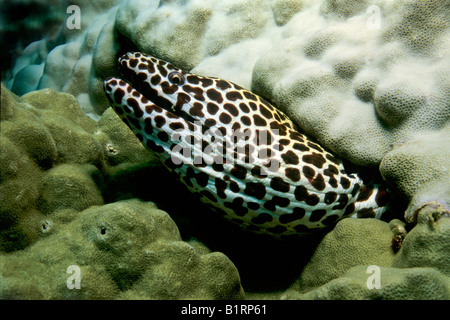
pixel 370 80
pixel 75 192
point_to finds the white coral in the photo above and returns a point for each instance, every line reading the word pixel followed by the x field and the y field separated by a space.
pixel 360 76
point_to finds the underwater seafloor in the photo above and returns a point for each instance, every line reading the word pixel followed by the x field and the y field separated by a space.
pixel 86 212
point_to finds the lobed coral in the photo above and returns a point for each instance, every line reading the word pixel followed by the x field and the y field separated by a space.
pixel 344 261
pixel 368 79
pixel 347 246
pixel 124 250
pixel 357 86
pixel 57 169
pixel 129 249
pixel 54 157
pixel 397 284
pixel 362 77
pixel 419 168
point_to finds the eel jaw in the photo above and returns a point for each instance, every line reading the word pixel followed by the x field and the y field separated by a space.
pixel 141 83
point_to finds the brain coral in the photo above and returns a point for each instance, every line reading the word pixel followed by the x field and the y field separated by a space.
pixel 361 88
pixel 369 79
pixel 124 250
pixel 54 157
pixel 360 76
pixel 420 169
pixel 339 269
pixel 57 168
pixel 344 247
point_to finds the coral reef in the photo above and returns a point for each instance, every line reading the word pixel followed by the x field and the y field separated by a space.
pixel 130 249
pixel 368 79
pixel 397 284
pixel 25 21
pixel 341 266
pixel 361 88
pixel 65 64
pixel 54 157
pixel 346 246
pixel 328 64
pixel 57 166
pixel 362 77
pixel 419 169
pixel 124 250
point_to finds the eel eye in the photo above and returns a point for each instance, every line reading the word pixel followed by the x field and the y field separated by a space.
pixel 176 78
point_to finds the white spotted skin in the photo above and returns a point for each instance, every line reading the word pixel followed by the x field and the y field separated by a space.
pixel 283 185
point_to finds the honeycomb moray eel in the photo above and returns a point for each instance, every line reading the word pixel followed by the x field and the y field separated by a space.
pixel 243 157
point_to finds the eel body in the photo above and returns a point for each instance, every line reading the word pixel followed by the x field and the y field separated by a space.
pixel 242 156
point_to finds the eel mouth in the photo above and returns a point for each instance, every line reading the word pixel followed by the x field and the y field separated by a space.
pixel 141 82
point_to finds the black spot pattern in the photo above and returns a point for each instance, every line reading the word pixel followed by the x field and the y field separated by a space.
pixel 136 107
pixel 212 108
pixel 223 85
pixel 330 197
pixel 342 202
pixel 290 158
pixel 159 121
pixel 255 189
pixel 297 214
pixel 265 112
pixel 276 201
pixel 318 182
pixel 214 95
pixel 231 109
pixel 237 206
pixel 233 96
pixel 262 218
pixel 226 108
pixel 221 186
pixel 315 159
pixel 293 174
pixel 239 172
pixel 196 110
pixel 345 183
pixel 250 95
pixel 225 118
pixel 244 108
pixel 382 197
pixel 259 121
pixel 316 215
pixel 366 213
pixel 302 194
pixel 276 183
pixel 118 95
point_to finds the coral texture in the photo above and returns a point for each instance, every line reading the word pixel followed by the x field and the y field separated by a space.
pixel 363 77
pixel 345 247
pixel 370 80
pixel 54 157
pixel 57 168
pixel 129 249
pixel 420 169
pixel 124 250
pixel 397 284
pixel 341 266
